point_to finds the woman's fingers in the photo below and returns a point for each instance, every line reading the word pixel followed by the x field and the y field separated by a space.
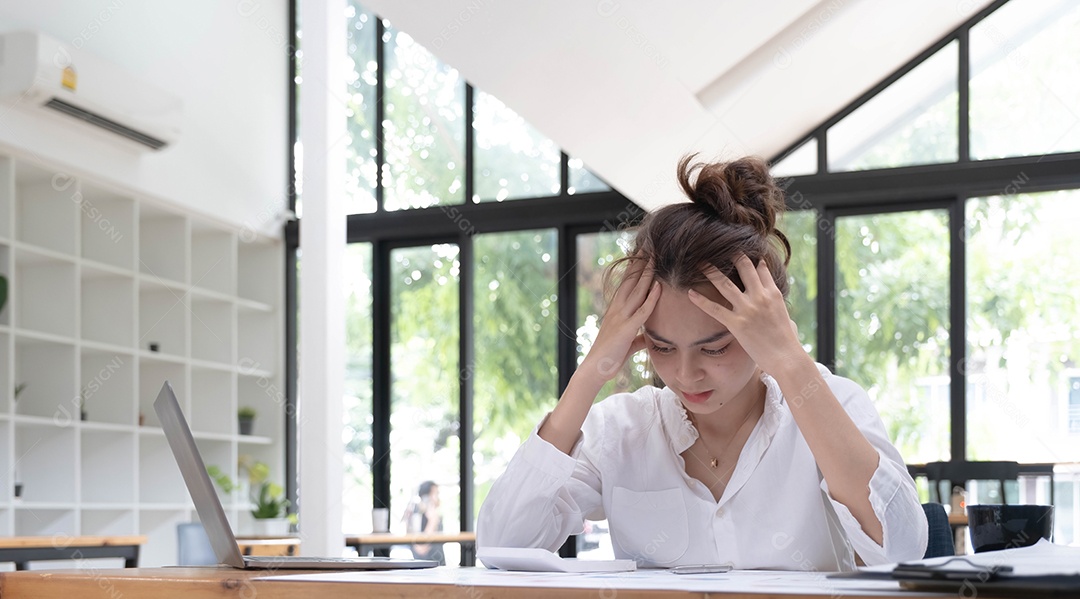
pixel 718 312
pixel 635 283
pixel 646 307
pixel 751 277
pixel 630 279
pixel 641 289
pixel 729 290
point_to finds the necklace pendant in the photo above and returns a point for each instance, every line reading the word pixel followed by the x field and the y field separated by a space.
pixel 714 463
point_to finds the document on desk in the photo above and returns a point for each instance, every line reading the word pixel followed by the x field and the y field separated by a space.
pixel 1044 567
pixel 536 559
pixel 736 581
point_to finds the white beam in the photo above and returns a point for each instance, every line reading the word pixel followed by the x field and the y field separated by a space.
pixel 322 308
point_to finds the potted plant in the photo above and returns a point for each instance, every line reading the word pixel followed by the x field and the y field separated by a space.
pixel 82 406
pixel 269 505
pixel 245 417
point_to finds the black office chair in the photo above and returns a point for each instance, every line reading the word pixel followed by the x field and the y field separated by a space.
pixel 957 474
pixel 940 540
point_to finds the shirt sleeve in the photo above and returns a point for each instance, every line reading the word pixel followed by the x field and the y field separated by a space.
pixel 892 490
pixel 545 495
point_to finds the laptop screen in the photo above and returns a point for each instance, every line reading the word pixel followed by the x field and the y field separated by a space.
pixel 198 481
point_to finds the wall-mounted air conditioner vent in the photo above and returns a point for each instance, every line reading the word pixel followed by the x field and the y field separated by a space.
pixel 37 72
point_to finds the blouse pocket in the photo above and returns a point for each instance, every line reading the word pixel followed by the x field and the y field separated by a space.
pixel 649 526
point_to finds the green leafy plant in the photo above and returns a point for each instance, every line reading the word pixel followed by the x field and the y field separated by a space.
pixel 246 413
pixel 221 479
pixel 268 498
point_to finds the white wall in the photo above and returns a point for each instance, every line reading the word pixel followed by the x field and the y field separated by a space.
pixel 227 60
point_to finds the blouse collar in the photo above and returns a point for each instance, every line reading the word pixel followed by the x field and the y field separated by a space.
pixel 681 433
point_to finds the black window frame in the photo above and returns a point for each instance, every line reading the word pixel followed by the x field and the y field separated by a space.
pixel 570 215
pixel 949 184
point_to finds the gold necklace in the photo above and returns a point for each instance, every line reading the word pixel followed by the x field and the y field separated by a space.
pixel 714 459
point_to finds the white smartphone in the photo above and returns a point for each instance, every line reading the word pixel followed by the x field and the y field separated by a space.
pixel 702 569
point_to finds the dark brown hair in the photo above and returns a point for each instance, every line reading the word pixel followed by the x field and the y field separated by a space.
pixel 733 210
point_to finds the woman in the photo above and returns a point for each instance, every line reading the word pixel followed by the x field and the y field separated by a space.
pixel 752 453
pixel 423 516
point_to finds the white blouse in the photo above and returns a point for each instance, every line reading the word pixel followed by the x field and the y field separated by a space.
pixel 776 512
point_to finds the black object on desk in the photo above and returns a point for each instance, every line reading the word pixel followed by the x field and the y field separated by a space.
pixel 22 550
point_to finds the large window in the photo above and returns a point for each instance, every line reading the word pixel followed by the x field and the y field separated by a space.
pixel 457 341
pixel 951 257
pixel 515 327
pixel 941 276
pixel 892 330
pixel 1022 328
pixel 357 402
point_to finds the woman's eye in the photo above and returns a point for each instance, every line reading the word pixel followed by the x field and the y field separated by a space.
pixel 662 350
pixel 715 352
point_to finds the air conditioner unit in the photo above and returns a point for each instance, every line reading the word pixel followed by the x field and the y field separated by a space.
pixel 43 74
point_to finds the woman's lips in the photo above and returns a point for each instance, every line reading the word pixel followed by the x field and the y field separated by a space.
pixel 697 397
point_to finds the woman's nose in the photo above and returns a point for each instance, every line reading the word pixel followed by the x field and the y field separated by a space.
pixel 688 370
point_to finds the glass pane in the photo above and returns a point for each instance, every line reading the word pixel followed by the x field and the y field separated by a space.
pixel 892 319
pixel 913 121
pixel 515 327
pixel 360 110
pixel 595 252
pixel 513 160
pixel 1023 336
pixel 357 494
pixel 424 366
pixel 1025 83
pixel 800 226
pixel 424 127
pixel 803 161
pixel 298 148
pixel 582 180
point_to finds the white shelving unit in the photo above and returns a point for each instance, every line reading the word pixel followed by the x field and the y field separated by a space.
pixel 108 296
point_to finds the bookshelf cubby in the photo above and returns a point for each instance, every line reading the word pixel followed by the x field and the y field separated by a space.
pixel 109 295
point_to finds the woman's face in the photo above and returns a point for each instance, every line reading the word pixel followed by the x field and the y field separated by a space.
pixel 694 354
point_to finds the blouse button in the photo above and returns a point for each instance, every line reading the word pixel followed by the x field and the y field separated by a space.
pixel 720 513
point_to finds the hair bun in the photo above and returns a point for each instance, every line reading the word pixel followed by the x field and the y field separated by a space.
pixel 740 192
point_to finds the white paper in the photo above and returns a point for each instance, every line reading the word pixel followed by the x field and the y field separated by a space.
pixel 535 559
pixel 738 581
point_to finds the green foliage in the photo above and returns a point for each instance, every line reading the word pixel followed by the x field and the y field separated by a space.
pixel 801 230
pixel 246 413
pixel 221 479
pixel 268 498
pixel 515 327
pixel 892 316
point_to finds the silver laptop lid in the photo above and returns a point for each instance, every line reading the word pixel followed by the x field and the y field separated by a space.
pixel 198 481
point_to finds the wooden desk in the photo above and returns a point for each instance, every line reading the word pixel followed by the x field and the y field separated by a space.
pixel 221 582
pixel 385 540
pixel 269 546
pixel 59 547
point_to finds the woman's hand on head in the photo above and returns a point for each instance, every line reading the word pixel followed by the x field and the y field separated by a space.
pixel 620 330
pixel 758 317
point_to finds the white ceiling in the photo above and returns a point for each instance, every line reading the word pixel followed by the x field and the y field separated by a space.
pixel 629 86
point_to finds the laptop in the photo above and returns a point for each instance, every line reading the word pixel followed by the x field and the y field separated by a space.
pixel 213 517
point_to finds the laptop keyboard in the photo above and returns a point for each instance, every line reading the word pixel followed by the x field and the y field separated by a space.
pixel 320 560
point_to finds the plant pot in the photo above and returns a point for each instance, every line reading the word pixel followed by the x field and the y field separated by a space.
pixel 18 490
pixel 246 424
pixel 271 527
